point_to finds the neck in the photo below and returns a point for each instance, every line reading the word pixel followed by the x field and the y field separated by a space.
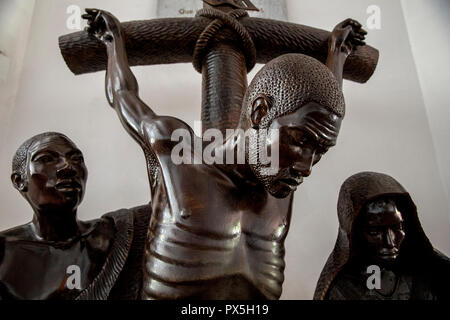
pixel 56 225
pixel 238 162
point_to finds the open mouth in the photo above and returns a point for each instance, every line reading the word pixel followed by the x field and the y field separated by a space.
pixel 68 186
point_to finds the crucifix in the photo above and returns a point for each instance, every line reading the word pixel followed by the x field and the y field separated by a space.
pixel 239 43
pixel 217 230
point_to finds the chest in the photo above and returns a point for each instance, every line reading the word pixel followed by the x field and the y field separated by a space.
pixel 35 271
pixel 204 198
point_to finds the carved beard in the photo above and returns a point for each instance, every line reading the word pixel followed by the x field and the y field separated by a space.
pixel 260 170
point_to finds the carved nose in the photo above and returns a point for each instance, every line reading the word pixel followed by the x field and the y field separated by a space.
pixel 389 239
pixel 306 161
pixel 300 169
pixel 66 171
pixel 304 165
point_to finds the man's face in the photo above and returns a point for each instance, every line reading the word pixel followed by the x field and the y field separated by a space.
pixel 304 137
pixel 56 174
pixel 382 231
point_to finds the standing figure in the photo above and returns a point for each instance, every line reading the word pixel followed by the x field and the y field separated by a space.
pixel 382 252
pixel 218 230
pixel 57 256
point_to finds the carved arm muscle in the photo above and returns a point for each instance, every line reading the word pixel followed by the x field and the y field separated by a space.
pixel 122 92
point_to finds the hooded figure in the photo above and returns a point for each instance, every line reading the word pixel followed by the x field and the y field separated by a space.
pixel 409 266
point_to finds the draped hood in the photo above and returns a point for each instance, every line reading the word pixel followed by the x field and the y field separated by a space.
pixel 358 190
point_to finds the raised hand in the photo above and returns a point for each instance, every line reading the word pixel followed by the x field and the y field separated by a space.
pixel 103 25
pixel 346 36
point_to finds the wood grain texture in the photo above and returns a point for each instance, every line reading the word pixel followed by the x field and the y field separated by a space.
pixel 172 40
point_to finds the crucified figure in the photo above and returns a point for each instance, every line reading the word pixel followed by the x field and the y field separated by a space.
pixel 218 230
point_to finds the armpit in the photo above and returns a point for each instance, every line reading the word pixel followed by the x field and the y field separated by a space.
pixel 166 131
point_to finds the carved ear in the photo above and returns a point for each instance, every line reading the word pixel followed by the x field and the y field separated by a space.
pixel 260 108
pixel 19 183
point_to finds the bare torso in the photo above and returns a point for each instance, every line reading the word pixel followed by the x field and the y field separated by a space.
pixel 212 234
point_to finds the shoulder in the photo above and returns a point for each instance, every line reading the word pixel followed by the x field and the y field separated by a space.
pixel 442 257
pixel 163 128
pixel 441 267
pixel 22 232
pixel 136 218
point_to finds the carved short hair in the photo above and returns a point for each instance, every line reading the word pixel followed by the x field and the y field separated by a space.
pixel 19 162
pixel 291 81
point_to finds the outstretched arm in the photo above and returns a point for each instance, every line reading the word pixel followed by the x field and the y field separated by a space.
pixel 122 89
pixel 344 38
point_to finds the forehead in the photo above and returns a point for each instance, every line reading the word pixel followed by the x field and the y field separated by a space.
pixel 56 144
pixel 382 213
pixel 314 119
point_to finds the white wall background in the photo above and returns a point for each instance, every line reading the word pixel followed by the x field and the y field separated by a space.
pixel 386 128
pixel 429 33
pixel 15 20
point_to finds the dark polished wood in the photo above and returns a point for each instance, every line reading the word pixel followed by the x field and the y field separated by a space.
pixel 172 40
pixel 37 259
pixel 218 231
pixel 379 227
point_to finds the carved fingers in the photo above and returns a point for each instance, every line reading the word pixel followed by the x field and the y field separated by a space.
pixel 347 35
pixel 357 34
pixel 102 24
pixel 92 18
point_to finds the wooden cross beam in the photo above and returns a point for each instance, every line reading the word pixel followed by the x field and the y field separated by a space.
pixel 223 60
pixel 172 40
